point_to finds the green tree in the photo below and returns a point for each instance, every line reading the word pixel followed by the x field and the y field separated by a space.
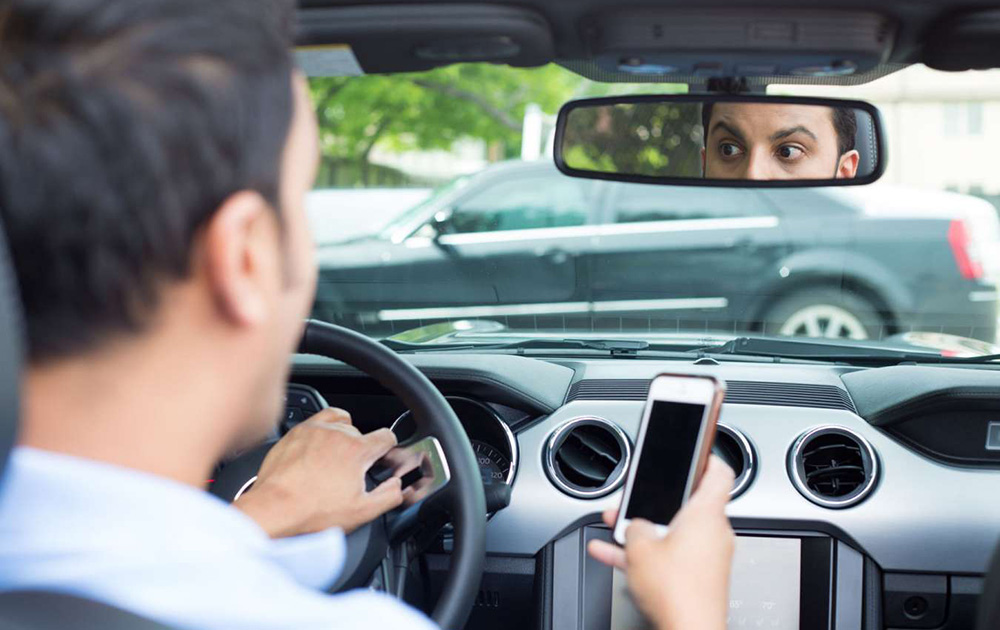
pixel 658 139
pixel 430 110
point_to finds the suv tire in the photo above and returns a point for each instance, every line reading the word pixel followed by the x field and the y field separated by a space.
pixel 824 312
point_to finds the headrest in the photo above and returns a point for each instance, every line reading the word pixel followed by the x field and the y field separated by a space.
pixel 864 142
pixel 11 352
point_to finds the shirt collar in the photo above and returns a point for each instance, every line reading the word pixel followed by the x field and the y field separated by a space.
pixel 76 505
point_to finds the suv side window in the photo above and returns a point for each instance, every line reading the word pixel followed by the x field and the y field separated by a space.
pixel 524 203
pixel 637 203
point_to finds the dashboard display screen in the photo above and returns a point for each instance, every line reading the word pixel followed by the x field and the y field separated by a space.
pixel 764 592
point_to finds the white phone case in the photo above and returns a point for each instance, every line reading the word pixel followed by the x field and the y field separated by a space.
pixel 703 390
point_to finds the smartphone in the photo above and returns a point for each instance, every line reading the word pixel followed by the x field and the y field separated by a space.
pixel 675 439
pixel 421 466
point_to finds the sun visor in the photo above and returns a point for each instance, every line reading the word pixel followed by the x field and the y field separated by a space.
pixel 404 38
pixel 696 46
pixel 970 41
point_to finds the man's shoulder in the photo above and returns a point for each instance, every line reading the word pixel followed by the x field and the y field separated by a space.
pixel 281 603
pixel 221 592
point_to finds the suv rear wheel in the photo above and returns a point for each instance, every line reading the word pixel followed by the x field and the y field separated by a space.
pixel 824 312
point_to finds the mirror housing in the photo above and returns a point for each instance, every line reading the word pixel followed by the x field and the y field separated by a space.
pixel 442 223
pixel 436 227
pixel 722 140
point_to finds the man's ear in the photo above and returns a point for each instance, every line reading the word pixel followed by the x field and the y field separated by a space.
pixel 848 166
pixel 239 257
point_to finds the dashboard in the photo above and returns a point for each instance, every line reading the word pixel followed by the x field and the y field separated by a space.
pixel 878 483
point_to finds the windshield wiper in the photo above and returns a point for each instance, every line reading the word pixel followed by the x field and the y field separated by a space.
pixel 816 350
pixel 614 347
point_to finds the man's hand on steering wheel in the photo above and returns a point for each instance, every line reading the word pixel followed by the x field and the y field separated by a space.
pixel 314 478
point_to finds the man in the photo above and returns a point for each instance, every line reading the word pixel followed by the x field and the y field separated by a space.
pixel 775 141
pixel 154 160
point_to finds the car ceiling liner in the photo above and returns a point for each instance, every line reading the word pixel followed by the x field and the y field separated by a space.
pixel 696 46
pixel 650 44
pixel 413 38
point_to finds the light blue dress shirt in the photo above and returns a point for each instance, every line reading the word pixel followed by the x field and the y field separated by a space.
pixel 171 552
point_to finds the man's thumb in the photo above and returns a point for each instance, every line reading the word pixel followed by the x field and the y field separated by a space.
pixel 640 531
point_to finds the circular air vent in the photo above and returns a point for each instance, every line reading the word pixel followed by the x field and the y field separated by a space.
pixel 587 457
pixel 735 449
pixel 833 466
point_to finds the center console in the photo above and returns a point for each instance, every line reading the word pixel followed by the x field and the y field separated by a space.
pixel 780 581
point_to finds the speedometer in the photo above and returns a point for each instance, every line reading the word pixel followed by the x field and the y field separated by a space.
pixel 493 465
pixel 491 439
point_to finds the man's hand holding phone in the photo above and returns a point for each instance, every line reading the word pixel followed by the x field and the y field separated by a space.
pixel 680 581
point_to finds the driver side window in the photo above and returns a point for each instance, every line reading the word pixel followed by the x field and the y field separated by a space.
pixel 523 203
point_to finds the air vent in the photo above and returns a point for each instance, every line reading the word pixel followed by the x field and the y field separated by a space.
pixel 735 449
pixel 833 466
pixel 587 457
pixel 738 393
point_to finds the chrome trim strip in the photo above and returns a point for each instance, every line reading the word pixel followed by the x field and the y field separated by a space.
pixel 555 440
pixel 511 440
pixel 514 452
pixel 991 444
pixel 551 308
pixel 983 296
pixel 794 456
pixel 742 482
pixel 611 229
pixel 245 487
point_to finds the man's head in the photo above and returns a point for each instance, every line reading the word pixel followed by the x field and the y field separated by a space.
pixel 777 141
pixel 154 158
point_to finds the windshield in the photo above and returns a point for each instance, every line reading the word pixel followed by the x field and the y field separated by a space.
pixel 438 203
pixel 414 217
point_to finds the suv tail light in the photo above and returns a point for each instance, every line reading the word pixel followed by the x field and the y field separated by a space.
pixel 965 250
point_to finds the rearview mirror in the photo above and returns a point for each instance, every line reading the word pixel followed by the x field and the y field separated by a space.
pixel 721 140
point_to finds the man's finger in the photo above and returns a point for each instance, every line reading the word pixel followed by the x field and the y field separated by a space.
pixel 330 415
pixel 388 495
pixel 715 484
pixel 338 427
pixel 607 553
pixel 610 517
pixel 638 531
pixel 377 444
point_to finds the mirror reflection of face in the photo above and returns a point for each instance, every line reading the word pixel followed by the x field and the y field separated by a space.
pixel 775 141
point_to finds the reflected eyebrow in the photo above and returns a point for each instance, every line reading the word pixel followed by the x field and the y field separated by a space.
pixel 726 127
pixel 784 133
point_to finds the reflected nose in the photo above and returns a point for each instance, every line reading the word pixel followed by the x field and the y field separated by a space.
pixel 757 167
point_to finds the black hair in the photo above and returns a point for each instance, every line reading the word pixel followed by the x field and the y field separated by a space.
pixel 124 124
pixel 844 124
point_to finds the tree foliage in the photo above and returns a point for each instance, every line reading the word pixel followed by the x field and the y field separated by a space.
pixel 657 139
pixel 432 110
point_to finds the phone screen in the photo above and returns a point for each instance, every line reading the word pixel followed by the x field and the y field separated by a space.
pixel 665 461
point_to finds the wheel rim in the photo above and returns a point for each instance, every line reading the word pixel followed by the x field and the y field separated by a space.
pixel 824 320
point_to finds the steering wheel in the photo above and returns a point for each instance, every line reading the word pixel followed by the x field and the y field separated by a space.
pixel 462 498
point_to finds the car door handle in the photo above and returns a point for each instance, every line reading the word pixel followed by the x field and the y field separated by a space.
pixel 557 256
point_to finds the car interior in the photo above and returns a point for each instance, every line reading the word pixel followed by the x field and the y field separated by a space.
pixel 866 478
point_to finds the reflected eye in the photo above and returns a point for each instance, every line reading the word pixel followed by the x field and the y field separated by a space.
pixel 730 149
pixel 790 152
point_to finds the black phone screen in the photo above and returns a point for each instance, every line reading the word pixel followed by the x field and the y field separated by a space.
pixel 665 461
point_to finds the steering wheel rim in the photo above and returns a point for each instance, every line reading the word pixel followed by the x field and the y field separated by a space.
pixel 463 496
